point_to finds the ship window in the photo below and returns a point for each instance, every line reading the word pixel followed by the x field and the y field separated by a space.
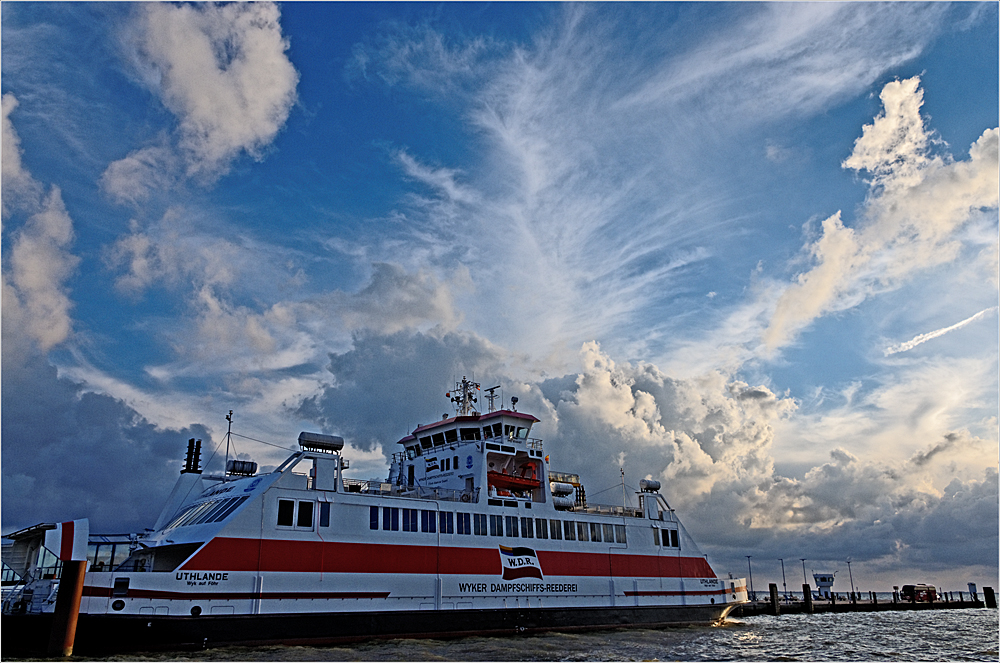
pixel 454 462
pixel 480 522
pixel 508 431
pixel 464 523
pixel 673 539
pixel 446 464
pixel 286 513
pixel 522 432
pixel 373 517
pixel 390 518
pixel 206 515
pixel 581 531
pixel 229 509
pixel 619 533
pixel 527 528
pixel 425 442
pixel 595 532
pixel 447 522
pixel 556 529
pixel 542 528
pixel 497 430
pixel 512 526
pixel 496 525
pixel 569 530
pixel 410 520
pixel 656 537
pixel 305 518
pixel 426 520
pixel 438 439
pixel 324 515
pixel 451 435
pixel 470 433
pixel 609 533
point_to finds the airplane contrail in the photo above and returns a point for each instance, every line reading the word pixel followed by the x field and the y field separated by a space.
pixel 923 338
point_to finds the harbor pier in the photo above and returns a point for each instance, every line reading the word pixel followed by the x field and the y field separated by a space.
pixel 773 604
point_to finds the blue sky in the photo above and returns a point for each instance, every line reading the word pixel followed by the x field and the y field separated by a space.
pixel 749 250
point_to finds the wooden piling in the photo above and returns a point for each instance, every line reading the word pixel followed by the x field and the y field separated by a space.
pixel 67 609
pixel 807 597
pixel 991 598
pixel 775 610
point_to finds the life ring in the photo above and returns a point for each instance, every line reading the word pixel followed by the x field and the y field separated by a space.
pixel 465 497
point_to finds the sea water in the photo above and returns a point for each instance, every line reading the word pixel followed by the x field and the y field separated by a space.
pixel 924 635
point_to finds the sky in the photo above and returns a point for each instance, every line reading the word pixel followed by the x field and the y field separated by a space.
pixel 749 250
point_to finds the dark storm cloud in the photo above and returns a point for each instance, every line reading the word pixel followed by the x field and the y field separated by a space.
pixel 68 454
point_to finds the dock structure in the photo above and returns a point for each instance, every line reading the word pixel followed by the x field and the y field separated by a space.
pixel 859 602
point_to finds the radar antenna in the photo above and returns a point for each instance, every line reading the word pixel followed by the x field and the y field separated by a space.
pixel 464 396
pixel 491 396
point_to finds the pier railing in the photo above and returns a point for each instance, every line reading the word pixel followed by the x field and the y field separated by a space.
pixel 378 487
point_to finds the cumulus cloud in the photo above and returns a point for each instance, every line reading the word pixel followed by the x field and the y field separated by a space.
pixel 918 202
pixel 36 300
pixel 223 71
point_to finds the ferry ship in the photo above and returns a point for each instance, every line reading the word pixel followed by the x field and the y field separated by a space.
pixel 470 533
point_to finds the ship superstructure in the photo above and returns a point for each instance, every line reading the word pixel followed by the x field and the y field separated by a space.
pixel 470 533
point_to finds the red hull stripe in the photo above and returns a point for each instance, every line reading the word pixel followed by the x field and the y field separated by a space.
pixel 275 555
pixel 232 596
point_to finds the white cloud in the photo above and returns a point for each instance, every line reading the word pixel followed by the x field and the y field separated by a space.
pixel 19 187
pixel 36 300
pixel 910 221
pixel 223 71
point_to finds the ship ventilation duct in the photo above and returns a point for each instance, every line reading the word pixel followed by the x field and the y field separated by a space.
pixel 319 442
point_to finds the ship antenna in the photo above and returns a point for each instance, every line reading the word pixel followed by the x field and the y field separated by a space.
pixel 491 396
pixel 624 497
pixel 229 434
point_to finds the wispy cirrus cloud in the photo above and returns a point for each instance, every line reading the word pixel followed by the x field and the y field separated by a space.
pixel 923 338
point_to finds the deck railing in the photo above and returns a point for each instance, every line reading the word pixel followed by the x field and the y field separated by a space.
pixel 378 487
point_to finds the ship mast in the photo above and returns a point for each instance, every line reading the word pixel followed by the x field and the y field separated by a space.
pixel 464 396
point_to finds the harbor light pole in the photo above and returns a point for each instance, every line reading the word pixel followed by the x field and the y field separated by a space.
pixel 753 596
pixel 784 585
pixel 850 574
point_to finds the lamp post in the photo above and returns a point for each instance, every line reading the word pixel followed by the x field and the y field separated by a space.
pixel 784 586
pixel 852 576
pixel 753 596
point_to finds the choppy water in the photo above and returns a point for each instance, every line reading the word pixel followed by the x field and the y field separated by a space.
pixel 933 635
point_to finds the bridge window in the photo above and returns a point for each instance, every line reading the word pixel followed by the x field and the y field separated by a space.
pixel 470 433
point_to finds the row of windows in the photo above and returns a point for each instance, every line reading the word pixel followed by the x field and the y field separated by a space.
pixel 488 431
pixel 206 512
pixel 299 515
pixel 498 525
pixel 669 538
